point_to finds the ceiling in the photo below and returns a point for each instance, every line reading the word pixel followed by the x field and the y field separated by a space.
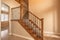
pixel 38 6
pixel 11 3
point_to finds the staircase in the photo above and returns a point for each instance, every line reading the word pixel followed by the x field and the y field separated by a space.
pixel 33 25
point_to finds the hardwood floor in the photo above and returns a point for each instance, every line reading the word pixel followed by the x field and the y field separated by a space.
pixel 51 38
pixel 5 36
pixel 19 38
pixel 4 33
pixel 15 38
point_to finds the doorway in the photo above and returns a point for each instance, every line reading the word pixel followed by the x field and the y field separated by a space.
pixel 4 21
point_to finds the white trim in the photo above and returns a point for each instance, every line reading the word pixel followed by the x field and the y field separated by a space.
pixel 22 36
pixel 51 34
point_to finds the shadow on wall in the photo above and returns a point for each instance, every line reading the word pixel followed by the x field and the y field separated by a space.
pixel 58 18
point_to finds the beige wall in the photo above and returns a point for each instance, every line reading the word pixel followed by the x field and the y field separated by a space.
pixel 44 9
pixel 19 30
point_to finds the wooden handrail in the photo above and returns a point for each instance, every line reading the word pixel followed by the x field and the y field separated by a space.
pixel 15 19
pixel 31 13
pixel 4 12
pixel 35 16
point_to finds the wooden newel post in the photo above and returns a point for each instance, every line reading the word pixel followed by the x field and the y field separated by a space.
pixel 42 27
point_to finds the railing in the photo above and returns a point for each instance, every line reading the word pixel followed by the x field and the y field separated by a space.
pixel 35 23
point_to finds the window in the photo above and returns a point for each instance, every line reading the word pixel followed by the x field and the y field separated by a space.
pixel 4 14
pixel 4 17
pixel 4 7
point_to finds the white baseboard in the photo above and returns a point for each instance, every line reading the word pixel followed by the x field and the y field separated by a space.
pixel 47 34
pixel 22 36
pixel 51 34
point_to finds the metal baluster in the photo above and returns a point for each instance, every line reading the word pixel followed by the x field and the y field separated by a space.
pixel 31 26
pixel 32 18
pixel 29 16
pixel 38 23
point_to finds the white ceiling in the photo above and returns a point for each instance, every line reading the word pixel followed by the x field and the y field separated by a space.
pixel 11 3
